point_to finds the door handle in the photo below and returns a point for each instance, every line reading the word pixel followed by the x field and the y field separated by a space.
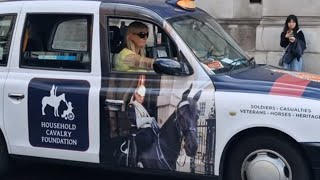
pixel 16 96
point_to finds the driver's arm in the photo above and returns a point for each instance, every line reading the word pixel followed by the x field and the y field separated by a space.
pixel 138 61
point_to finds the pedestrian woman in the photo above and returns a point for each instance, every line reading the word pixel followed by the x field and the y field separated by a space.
pixel 290 34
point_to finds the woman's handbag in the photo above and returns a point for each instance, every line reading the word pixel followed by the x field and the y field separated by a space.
pixel 280 63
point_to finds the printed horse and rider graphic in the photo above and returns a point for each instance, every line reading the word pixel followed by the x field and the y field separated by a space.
pixel 54 101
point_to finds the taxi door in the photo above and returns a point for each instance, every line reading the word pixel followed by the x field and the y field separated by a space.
pixel 171 98
pixel 7 26
pixel 52 90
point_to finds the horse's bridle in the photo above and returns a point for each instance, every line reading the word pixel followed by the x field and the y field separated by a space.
pixel 182 132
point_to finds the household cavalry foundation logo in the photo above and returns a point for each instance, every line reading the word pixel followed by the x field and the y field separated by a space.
pixel 54 101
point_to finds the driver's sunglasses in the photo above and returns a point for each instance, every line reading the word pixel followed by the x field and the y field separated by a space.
pixel 142 35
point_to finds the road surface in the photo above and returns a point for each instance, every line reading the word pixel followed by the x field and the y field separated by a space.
pixel 25 170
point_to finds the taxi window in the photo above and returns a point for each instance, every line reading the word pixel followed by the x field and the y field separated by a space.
pixel 6 29
pixel 53 41
pixel 156 44
pixel 71 40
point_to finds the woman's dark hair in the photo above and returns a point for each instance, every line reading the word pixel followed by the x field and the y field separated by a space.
pixel 289 18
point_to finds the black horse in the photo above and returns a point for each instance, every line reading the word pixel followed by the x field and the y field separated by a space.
pixel 163 153
pixel 181 125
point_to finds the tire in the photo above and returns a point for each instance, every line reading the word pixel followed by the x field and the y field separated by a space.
pixel 266 157
pixel 4 157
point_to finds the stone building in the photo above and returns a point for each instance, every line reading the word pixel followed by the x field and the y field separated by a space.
pixel 256 25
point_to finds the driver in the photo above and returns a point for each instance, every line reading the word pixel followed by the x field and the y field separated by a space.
pixel 132 57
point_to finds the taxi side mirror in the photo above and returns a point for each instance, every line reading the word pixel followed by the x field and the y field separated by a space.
pixel 171 67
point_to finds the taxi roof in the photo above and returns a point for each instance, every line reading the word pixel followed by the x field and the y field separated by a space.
pixel 160 7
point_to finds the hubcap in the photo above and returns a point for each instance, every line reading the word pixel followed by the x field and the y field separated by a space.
pixel 265 165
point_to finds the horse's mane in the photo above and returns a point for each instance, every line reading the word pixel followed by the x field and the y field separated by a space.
pixel 193 105
pixel 168 122
pixel 170 128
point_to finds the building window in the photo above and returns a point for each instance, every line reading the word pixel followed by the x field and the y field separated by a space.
pixel 256 1
pixel 202 108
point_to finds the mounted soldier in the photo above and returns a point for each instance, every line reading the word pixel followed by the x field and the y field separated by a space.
pixel 141 122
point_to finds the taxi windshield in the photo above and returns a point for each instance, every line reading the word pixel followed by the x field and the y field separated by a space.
pixel 213 47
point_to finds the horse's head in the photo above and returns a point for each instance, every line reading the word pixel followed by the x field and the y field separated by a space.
pixel 186 121
pixel 62 97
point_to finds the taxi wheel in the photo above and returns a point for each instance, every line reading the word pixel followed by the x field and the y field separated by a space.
pixel 266 157
pixel 4 157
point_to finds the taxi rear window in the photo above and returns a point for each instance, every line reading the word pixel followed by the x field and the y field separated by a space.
pixel 57 41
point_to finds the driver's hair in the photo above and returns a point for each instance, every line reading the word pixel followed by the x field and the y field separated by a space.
pixel 133 28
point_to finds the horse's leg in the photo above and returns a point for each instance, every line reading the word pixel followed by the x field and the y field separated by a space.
pixel 43 113
pixel 56 112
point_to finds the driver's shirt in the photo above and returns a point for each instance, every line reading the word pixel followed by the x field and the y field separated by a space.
pixel 122 66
